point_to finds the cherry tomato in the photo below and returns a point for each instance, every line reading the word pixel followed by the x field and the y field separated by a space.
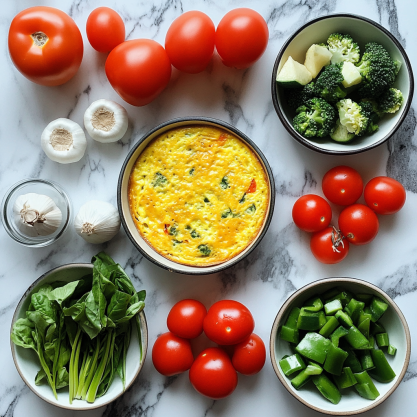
pixel 105 29
pixel 190 42
pixel 342 185
pixel 241 38
pixel 311 213
pixel 138 70
pixel 359 224
pixel 249 356
pixel 186 319
pixel 327 246
pixel 171 355
pixel 212 374
pixel 384 195
pixel 45 45
pixel 228 322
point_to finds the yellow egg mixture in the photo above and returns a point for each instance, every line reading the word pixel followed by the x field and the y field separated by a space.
pixel 198 195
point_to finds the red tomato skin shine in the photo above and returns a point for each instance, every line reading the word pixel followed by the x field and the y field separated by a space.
pixel 311 213
pixel 321 246
pixel 384 195
pixel 139 70
pixel 189 42
pixel 171 355
pixel 212 374
pixel 359 224
pixel 228 322
pixel 186 318
pixel 105 29
pixel 249 356
pixel 342 185
pixel 241 38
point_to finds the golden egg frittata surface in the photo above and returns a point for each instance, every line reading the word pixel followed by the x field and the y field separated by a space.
pixel 198 195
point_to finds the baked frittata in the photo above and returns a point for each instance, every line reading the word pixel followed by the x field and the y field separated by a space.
pixel 198 195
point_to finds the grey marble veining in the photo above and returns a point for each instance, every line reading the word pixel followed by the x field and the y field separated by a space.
pixel 281 263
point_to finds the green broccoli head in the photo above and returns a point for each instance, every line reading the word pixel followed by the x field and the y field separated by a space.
pixel 390 101
pixel 297 97
pixel 316 118
pixel 343 48
pixel 329 84
pixel 356 117
pixel 378 71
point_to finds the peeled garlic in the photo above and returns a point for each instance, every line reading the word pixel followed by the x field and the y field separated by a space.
pixel 36 214
pixel 64 141
pixel 106 121
pixel 97 221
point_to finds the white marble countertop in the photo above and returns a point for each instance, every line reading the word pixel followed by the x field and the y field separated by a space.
pixel 280 264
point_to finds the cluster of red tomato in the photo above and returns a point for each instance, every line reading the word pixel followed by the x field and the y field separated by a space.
pixel 137 69
pixel 358 223
pixel 213 372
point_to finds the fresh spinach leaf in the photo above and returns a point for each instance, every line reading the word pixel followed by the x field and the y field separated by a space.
pixel 118 305
pixel 61 294
pixel 194 234
pixel 251 209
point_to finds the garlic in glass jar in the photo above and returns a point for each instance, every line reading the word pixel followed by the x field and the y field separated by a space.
pixel 64 141
pixel 106 121
pixel 36 215
pixel 97 221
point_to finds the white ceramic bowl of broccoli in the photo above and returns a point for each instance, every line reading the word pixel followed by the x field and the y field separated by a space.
pixel 344 73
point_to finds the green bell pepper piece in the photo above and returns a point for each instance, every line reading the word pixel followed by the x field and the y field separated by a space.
pixel 392 350
pixel 366 360
pixel 382 339
pixel 371 341
pixel 343 296
pixel 356 339
pixel 309 320
pixel 314 304
pixel 327 388
pixel 344 319
pixel 363 316
pixel 365 298
pixel 331 307
pixel 304 376
pixel 364 327
pixel 378 307
pixel 354 308
pixel 365 386
pixel 352 360
pixel 337 334
pixel 334 360
pixel 329 327
pixel 289 334
pixel 377 328
pixel 293 317
pixel 313 346
pixel 382 371
pixel 346 379
pixel 330 294
pixel 291 364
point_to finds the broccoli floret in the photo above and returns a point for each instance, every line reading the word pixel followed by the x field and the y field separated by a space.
pixel 343 48
pixel 315 118
pixel 378 71
pixel 356 117
pixel 329 84
pixel 370 109
pixel 297 97
pixel 390 101
pixel 398 66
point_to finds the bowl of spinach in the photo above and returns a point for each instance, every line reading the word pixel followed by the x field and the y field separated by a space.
pixel 79 335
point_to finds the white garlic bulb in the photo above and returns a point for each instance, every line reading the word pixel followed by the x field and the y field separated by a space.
pixel 64 141
pixel 106 121
pixel 97 221
pixel 36 215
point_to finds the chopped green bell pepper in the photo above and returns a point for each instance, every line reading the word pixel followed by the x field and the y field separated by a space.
pixel 327 388
pixel 377 328
pixel 344 319
pixel 363 316
pixel 337 334
pixel 346 379
pixel 334 360
pixel 313 346
pixel 366 360
pixel 364 327
pixel 313 304
pixel 289 331
pixel 392 350
pixel 330 294
pixel 309 320
pixel 304 376
pixel 354 308
pixel 291 364
pixel 365 386
pixel 329 327
pixel 331 307
pixel 378 307
pixel 352 360
pixel 343 296
pixel 365 298
pixel 382 339
pixel 356 339
pixel 382 371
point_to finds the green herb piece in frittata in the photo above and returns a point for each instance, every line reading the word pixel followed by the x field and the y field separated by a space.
pixel 192 171
pixel 206 200
pixel 173 231
pixel 204 250
pixel 227 213
pixel 242 200
pixel 194 234
pixel 251 209
pixel 188 227
pixel 159 180
pixel 224 183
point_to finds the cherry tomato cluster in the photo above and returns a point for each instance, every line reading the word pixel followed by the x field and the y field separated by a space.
pixel 213 372
pixel 358 223
pixel 46 46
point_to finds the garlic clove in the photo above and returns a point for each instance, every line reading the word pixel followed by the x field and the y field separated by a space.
pixel 97 221
pixel 64 141
pixel 106 121
pixel 50 223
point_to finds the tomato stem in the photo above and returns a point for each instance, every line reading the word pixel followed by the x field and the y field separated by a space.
pixel 337 240
pixel 39 38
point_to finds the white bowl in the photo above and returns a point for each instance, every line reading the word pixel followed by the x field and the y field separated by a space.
pixel 351 403
pixel 362 30
pixel 27 361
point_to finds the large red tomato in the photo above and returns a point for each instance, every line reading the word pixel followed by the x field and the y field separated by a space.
pixel 138 70
pixel 190 42
pixel 212 374
pixel 228 322
pixel 311 213
pixel 105 29
pixel 171 354
pixel 45 45
pixel 186 318
pixel 241 38
pixel 249 356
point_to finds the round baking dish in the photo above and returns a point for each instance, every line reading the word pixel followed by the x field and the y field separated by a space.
pixel 123 200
